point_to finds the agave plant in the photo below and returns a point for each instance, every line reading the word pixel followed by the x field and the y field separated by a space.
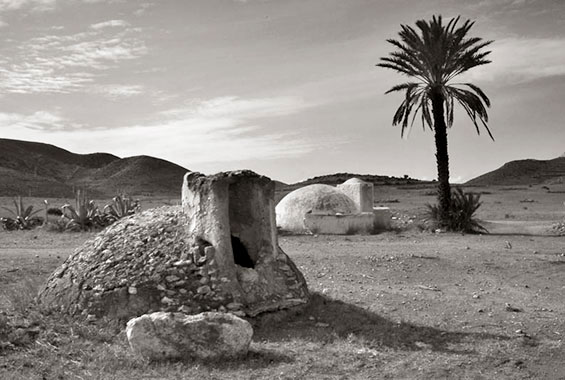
pixel 120 207
pixel 23 219
pixel 84 216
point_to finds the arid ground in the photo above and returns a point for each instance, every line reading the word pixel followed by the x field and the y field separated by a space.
pixel 406 304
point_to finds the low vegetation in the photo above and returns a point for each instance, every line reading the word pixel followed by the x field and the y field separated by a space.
pixel 462 213
pixel 84 215
pixel 120 207
pixel 23 217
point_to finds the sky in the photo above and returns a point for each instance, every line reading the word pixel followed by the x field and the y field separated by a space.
pixel 287 88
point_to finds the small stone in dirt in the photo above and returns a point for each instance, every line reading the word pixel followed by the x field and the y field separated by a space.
pixel 476 296
pixel 422 345
pixel 512 308
pixel 519 363
pixel 544 309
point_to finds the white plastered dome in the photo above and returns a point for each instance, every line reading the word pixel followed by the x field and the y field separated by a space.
pixel 317 199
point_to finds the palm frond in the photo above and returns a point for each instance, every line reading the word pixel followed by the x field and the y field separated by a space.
pixel 403 86
pixel 434 53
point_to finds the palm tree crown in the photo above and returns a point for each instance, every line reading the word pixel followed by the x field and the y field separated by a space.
pixel 434 57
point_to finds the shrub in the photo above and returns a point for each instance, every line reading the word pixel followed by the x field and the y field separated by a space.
pixel 85 216
pixel 461 216
pixel 54 211
pixel 23 219
pixel 120 207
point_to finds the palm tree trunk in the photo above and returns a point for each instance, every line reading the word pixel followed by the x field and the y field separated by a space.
pixel 442 157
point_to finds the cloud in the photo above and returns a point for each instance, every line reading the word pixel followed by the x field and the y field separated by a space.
pixel 518 60
pixel 37 121
pixel 39 5
pixel 110 24
pixel 236 108
pixel 99 54
pixel 42 5
pixel 116 91
pixel 226 129
pixel 220 130
pixel 27 80
pixel 66 63
pixel 143 8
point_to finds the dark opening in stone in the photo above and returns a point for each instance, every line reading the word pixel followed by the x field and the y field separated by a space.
pixel 240 255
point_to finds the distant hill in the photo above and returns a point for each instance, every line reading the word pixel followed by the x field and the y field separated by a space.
pixel 44 170
pixel 339 178
pixel 523 172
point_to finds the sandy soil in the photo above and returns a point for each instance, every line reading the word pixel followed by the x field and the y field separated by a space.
pixel 509 287
pixel 397 305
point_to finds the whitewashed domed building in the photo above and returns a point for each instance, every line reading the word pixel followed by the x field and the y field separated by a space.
pixel 342 210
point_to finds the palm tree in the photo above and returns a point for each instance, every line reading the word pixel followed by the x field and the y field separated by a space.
pixel 433 58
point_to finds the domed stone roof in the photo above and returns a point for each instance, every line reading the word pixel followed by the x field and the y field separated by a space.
pixel 317 199
pixel 219 251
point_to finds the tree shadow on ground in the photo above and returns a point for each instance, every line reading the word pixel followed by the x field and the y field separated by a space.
pixel 323 319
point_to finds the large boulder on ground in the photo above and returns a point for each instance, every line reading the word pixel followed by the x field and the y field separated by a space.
pixel 219 251
pixel 205 336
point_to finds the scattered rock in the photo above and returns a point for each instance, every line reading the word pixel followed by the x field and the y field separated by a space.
pixel 432 288
pixel 511 308
pixel 177 336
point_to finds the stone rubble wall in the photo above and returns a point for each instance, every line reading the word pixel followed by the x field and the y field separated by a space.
pixel 166 259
